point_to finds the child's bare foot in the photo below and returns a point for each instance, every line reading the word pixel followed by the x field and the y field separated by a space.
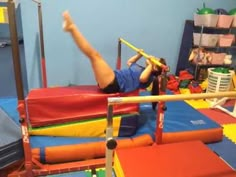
pixel 68 22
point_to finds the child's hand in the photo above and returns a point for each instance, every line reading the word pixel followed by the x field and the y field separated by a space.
pixel 68 23
pixel 140 51
pixel 148 62
pixel 150 58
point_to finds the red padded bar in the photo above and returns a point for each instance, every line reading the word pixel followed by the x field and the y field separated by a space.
pixel 49 106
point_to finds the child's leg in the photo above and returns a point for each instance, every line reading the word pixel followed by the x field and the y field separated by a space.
pixel 104 74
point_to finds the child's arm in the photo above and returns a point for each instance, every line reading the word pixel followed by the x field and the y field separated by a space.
pixel 144 77
pixel 134 58
pixel 79 39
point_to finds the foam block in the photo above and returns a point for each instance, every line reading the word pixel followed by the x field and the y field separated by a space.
pixel 90 150
pixel 191 158
pixel 48 106
pixel 123 125
pixel 181 123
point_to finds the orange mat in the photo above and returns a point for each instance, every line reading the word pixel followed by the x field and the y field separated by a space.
pixel 85 151
pixel 185 159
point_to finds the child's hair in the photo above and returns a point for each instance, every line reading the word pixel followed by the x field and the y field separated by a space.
pixel 159 69
pixel 155 83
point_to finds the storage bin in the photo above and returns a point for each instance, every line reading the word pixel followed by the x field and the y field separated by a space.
pixel 217 58
pixel 224 21
pixel 218 82
pixel 226 40
pixel 207 40
pixel 234 21
pixel 208 20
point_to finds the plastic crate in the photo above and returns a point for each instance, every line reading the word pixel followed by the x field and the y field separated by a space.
pixel 226 40
pixel 224 21
pixel 218 82
pixel 207 40
pixel 218 58
pixel 234 21
pixel 208 20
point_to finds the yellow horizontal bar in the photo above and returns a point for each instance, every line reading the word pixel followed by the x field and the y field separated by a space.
pixel 153 59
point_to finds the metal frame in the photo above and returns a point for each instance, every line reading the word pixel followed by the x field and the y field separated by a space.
pixel 30 166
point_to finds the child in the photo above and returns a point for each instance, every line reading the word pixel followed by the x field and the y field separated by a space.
pixel 109 80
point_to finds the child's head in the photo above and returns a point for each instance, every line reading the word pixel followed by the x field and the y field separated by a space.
pixel 157 70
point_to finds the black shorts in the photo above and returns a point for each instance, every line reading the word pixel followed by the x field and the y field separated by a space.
pixel 113 87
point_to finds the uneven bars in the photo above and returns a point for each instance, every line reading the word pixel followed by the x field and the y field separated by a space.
pixel 153 59
pixel 145 99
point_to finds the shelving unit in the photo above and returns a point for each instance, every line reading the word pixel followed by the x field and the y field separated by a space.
pixel 199 70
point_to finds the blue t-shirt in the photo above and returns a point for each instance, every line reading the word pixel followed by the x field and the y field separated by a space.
pixel 128 79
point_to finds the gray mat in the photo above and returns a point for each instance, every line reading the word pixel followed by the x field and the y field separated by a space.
pixel 11 148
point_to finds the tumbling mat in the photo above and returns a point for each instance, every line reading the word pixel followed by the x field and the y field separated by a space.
pixel 9 106
pixel 11 149
pixel 183 159
pixel 123 125
pixel 226 149
pixel 218 116
pixel 181 123
pixel 73 174
pixel 87 150
pixel 197 104
pixel 88 173
pixel 230 132
pixel 49 106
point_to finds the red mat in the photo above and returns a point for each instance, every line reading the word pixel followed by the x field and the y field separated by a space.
pixel 218 116
pixel 49 106
pixel 186 159
pixel 230 102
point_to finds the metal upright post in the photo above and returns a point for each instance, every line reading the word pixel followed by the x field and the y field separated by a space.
pixel 118 61
pixel 110 142
pixel 42 51
pixel 19 87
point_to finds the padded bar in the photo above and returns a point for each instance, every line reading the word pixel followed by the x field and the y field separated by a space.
pixel 145 99
pixel 153 59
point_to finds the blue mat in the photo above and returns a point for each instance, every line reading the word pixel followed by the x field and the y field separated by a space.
pixel 72 174
pixel 9 105
pixel 226 149
pixel 179 117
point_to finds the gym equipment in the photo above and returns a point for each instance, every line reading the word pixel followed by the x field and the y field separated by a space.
pixel 153 59
pixel 219 80
pixel 11 149
pixel 43 61
pixel 83 151
pixel 115 101
pixel 191 158
pixel 125 126
pixel 69 104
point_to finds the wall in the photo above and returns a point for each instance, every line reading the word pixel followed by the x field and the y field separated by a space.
pixel 7 76
pixel 154 25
